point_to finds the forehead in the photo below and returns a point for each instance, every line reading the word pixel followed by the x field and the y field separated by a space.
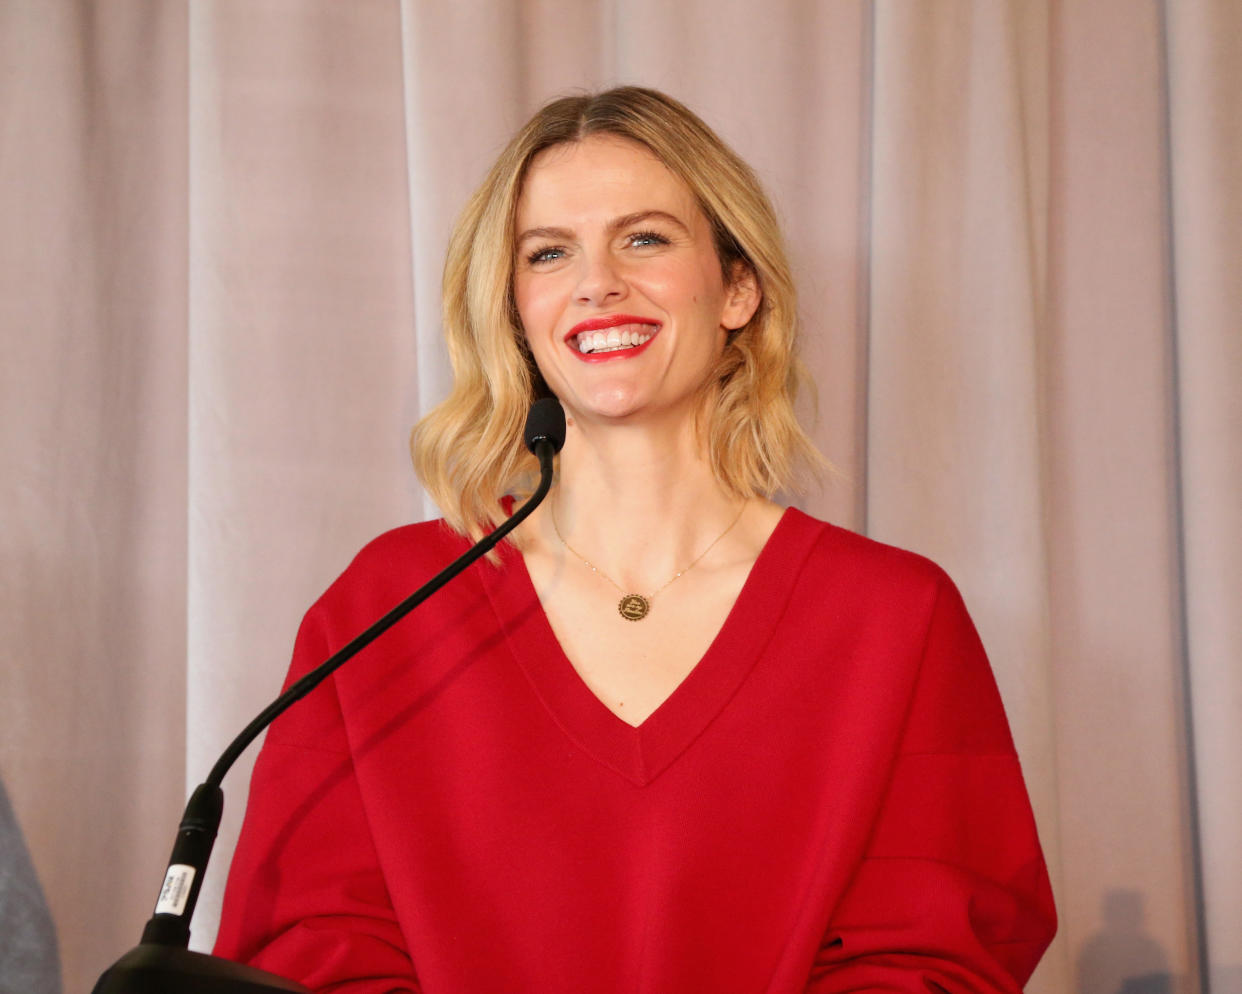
pixel 601 175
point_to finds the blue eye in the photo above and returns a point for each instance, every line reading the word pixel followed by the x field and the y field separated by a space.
pixel 544 255
pixel 641 239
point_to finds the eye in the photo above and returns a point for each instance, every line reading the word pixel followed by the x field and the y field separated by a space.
pixel 643 239
pixel 547 254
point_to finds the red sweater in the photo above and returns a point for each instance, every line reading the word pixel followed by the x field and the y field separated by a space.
pixel 829 802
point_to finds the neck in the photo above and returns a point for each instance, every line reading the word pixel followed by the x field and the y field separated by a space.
pixel 639 505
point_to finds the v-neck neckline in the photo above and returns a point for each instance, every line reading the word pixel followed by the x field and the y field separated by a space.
pixel 641 753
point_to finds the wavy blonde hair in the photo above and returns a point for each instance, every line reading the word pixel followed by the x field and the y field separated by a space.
pixel 469 452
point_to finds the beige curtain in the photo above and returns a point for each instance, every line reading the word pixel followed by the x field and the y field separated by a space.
pixel 1017 226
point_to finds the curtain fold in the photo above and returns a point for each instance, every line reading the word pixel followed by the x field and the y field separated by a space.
pixel 1016 228
pixel 300 354
pixel 1204 60
pixel 955 444
pixel 92 478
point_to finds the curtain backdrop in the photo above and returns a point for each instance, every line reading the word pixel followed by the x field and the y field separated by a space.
pixel 1017 229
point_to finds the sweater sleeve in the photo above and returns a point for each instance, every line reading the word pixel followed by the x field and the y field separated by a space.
pixel 306 897
pixel 952 894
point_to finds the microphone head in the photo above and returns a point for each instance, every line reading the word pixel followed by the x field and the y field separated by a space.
pixel 545 422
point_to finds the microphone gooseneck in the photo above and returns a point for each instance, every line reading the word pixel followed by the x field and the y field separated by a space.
pixel 161 963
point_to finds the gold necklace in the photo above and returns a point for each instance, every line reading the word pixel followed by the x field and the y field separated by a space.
pixel 634 607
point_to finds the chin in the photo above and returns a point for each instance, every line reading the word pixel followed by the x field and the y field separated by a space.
pixel 612 404
pixel 613 413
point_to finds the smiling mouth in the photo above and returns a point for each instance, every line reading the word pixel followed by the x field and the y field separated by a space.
pixel 615 339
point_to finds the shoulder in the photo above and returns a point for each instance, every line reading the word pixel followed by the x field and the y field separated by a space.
pixel 905 615
pixel 388 569
pixel 839 556
pixel 407 548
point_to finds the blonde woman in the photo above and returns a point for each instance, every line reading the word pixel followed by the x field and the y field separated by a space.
pixel 675 737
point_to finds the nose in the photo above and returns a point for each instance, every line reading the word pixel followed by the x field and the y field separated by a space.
pixel 600 281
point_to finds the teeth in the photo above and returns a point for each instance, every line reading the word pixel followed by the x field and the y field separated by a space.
pixel 615 338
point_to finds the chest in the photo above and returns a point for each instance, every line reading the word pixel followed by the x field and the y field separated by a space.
pixel 643 855
pixel 633 666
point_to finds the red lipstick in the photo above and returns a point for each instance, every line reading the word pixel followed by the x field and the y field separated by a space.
pixel 606 321
pixel 603 323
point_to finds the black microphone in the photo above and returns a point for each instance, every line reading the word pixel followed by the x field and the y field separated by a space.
pixel 545 423
pixel 161 963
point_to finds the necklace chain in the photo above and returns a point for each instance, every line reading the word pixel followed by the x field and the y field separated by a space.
pixel 634 607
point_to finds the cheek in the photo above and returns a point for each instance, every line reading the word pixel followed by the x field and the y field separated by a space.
pixel 522 300
pixel 699 285
pixel 539 349
pixel 538 302
pixel 537 325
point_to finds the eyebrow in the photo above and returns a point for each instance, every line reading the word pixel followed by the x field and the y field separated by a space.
pixel 625 221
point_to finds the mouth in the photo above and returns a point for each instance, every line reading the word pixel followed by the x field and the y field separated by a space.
pixel 615 339
pixel 615 333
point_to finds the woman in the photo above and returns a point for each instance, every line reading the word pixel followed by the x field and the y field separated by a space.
pixel 674 738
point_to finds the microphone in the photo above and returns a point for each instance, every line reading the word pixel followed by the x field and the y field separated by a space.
pixel 545 423
pixel 161 963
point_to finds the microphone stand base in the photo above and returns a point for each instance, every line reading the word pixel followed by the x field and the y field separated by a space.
pixel 155 969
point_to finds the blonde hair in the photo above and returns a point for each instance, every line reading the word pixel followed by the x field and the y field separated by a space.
pixel 469 452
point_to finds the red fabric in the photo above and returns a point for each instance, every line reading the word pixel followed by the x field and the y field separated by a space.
pixel 829 802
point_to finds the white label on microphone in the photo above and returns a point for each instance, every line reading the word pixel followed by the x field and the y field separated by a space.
pixel 176 890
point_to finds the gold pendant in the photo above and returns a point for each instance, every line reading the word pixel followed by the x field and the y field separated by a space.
pixel 634 607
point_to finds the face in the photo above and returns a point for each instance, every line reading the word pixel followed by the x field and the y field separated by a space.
pixel 618 284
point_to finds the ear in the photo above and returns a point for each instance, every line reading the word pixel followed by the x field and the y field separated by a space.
pixel 742 297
